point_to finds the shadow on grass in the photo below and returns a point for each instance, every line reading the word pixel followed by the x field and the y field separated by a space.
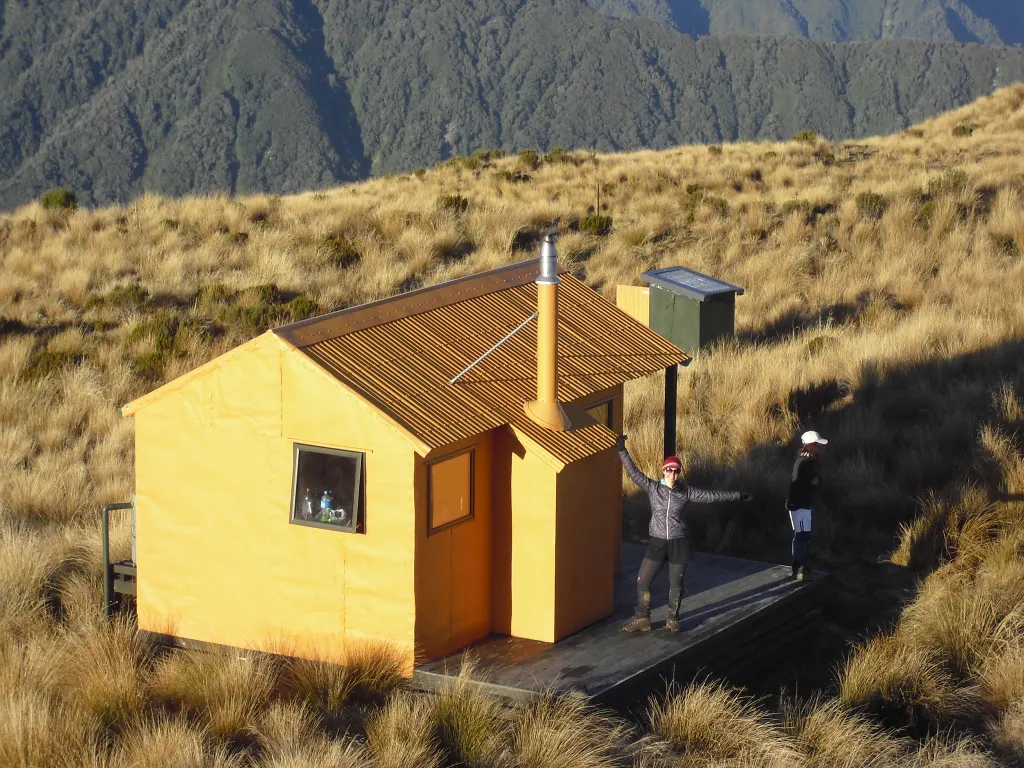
pixel 904 433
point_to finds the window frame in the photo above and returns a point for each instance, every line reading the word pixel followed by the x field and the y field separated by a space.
pixel 357 526
pixel 431 530
pixel 610 402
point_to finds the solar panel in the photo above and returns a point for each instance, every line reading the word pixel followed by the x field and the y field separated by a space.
pixel 690 283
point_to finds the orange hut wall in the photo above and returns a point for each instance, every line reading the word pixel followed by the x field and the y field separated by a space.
pixel 218 559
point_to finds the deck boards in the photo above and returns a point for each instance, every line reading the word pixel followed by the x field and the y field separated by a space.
pixel 735 613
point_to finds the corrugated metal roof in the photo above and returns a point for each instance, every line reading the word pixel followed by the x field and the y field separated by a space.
pixel 404 365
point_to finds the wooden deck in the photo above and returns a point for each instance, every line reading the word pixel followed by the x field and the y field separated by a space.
pixel 736 614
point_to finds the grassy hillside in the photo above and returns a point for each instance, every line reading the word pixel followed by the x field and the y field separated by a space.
pixel 117 97
pixel 884 307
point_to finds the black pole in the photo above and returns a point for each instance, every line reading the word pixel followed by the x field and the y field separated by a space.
pixel 108 568
pixel 670 410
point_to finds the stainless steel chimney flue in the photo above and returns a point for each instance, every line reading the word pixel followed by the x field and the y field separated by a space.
pixel 548 262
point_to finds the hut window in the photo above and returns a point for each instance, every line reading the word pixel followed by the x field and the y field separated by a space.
pixel 450 490
pixel 602 413
pixel 327 486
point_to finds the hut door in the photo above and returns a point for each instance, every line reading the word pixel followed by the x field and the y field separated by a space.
pixel 454 600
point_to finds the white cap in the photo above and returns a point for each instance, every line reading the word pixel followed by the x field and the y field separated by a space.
pixel 812 437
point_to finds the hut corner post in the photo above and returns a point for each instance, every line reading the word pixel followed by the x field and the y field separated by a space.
pixel 108 568
pixel 671 374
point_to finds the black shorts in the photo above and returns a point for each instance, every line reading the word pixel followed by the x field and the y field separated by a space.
pixel 676 551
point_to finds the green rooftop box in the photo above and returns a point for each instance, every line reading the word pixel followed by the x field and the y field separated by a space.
pixel 690 309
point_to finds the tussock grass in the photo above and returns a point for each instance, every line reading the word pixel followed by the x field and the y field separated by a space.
pixel 38 730
pixel 104 669
pixel 167 741
pixel 708 723
pixel 566 731
pixel 829 736
pixel 225 691
pixel 884 307
pixel 403 734
pixel 469 724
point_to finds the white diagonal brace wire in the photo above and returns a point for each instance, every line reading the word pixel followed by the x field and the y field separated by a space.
pixel 485 354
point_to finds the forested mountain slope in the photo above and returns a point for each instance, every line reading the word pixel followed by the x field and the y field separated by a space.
pixel 993 22
pixel 114 97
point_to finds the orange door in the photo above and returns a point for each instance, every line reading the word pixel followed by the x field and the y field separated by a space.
pixel 453 568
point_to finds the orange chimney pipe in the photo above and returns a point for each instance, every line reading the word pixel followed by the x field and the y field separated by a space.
pixel 546 410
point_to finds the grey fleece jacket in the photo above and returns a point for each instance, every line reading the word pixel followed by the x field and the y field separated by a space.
pixel 667 504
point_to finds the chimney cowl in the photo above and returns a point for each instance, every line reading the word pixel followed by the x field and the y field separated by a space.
pixel 548 274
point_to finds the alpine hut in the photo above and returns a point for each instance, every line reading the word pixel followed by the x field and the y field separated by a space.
pixel 346 479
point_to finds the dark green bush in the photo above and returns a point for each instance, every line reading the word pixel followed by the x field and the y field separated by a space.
pixel 262 308
pixel 43 363
pixel 340 252
pixel 171 224
pixel 161 326
pixel 917 133
pixel 559 155
pixel 596 224
pixel 150 366
pixel 512 177
pixel 755 175
pixel 263 294
pixel 1006 244
pixel 419 173
pixel 455 203
pixel 715 149
pixel 59 198
pixel 825 156
pixel 718 205
pixel 796 206
pixel 962 130
pixel 486 155
pixel 806 137
pixel 771 154
pixel 459 162
pixel 952 182
pixel 871 205
pixel 301 308
pixel 528 158
pixel 238 238
pixel 131 295
pixel 214 293
pixel 695 190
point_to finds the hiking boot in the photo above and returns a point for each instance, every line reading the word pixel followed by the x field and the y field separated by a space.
pixel 800 576
pixel 641 621
pixel 796 570
pixel 638 624
pixel 672 622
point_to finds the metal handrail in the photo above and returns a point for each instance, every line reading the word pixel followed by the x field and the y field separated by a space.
pixel 108 577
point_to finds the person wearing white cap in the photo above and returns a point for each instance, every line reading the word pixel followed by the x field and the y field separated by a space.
pixel 803 482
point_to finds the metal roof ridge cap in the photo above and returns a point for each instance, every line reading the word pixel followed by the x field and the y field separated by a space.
pixel 289 331
pixel 408 294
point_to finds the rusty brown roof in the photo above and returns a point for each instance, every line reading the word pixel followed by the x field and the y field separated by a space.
pixel 400 354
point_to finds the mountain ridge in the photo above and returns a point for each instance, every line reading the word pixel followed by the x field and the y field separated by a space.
pixel 283 95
